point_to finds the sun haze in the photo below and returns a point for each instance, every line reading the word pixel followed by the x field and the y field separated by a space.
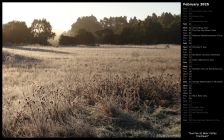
pixel 63 15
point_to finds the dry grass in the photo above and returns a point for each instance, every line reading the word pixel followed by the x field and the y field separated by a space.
pixel 91 92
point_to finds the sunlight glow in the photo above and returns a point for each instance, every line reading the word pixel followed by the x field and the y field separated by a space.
pixel 63 15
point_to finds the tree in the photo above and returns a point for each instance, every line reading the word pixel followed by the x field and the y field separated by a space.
pixel 89 23
pixel 166 19
pixel 114 23
pixel 116 30
pixel 105 36
pixel 85 37
pixel 133 21
pixel 42 31
pixel 174 31
pixel 126 36
pixel 132 33
pixel 67 40
pixel 153 30
pixel 16 32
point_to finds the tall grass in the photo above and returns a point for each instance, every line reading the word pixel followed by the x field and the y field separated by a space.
pixel 99 104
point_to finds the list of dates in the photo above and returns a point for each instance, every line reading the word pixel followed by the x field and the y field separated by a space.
pixel 202 69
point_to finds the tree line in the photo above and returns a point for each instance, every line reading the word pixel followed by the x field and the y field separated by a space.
pixel 88 30
pixel 17 32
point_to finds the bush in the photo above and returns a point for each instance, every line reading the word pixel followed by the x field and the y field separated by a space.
pixel 67 40
pixel 85 37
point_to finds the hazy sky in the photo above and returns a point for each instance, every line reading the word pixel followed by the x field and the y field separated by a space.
pixel 63 15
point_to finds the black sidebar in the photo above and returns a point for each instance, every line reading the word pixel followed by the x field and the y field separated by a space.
pixel 202 69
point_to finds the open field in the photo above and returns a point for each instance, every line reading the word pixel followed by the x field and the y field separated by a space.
pixel 108 91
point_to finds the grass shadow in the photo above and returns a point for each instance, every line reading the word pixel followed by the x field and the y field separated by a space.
pixel 15 60
pixel 132 46
pixel 36 49
pixel 126 121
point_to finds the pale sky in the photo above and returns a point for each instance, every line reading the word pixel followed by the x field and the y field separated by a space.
pixel 62 15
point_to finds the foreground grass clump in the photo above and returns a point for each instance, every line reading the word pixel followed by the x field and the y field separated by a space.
pixel 116 104
pixel 70 98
